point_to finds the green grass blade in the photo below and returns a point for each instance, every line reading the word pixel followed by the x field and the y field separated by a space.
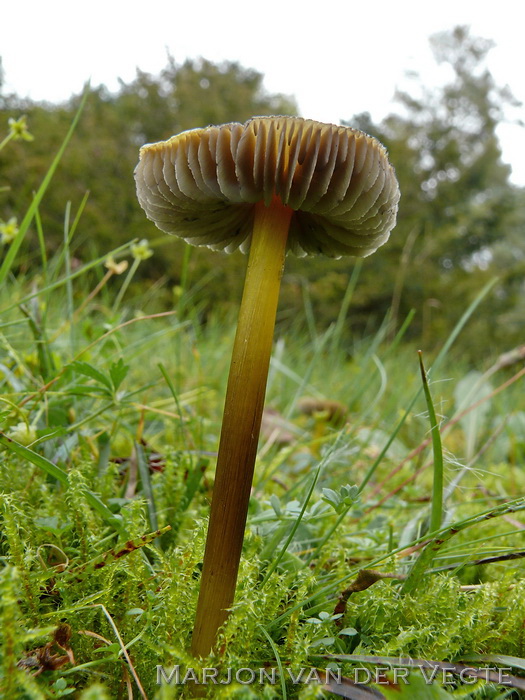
pixel 436 515
pixel 462 321
pixel 309 312
pixel 401 332
pixel 184 275
pixel 147 488
pixel 41 242
pixel 277 660
pixel 304 380
pixel 340 323
pixel 171 387
pixel 500 659
pixel 315 551
pixel 48 467
pixel 369 474
pixel 64 249
pixel 64 280
pixel 70 307
pixel 276 561
pixel 440 357
pixel 28 218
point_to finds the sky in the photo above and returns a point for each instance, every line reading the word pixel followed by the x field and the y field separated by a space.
pixel 337 57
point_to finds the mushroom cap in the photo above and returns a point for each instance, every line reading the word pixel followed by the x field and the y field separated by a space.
pixel 202 185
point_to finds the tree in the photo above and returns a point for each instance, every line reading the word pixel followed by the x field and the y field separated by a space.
pixel 104 150
pixel 457 202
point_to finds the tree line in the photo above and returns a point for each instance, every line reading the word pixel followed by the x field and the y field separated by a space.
pixel 461 221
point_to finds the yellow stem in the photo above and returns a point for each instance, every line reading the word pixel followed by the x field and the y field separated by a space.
pixel 241 422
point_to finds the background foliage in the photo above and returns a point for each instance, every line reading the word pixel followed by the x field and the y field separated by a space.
pixel 461 221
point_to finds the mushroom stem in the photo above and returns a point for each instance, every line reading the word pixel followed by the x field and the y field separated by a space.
pixel 241 422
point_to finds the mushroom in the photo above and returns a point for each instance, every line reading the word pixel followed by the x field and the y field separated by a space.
pixel 325 413
pixel 328 411
pixel 271 185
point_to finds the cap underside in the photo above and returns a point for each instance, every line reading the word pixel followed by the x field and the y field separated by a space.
pixel 202 184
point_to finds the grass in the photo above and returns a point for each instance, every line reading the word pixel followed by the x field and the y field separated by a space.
pixel 391 533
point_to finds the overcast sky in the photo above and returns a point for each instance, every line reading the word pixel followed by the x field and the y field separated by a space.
pixel 336 57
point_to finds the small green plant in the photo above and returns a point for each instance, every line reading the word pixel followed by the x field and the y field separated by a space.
pixel 17 131
pixel 325 622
